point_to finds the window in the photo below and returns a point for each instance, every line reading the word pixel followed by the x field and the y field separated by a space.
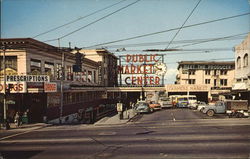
pixel 223 72
pixel 10 62
pixel 216 72
pixel 35 66
pixel 191 81
pixel 207 81
pixel 223 82
pixel 58 71
pixel 207 72
pixel 238 62
pixel 191 72
pixel 245 60
pixel 49 69
pixel 238 80
pixel 215 82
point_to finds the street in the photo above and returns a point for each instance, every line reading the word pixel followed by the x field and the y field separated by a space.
pixel 169 133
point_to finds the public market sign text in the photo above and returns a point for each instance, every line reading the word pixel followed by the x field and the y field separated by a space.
pixel 139 69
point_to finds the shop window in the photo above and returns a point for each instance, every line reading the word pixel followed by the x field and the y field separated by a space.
pixel 207 81
pixel 223 82
pixel 245 59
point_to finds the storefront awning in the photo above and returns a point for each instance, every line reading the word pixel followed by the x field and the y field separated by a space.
pixel 239 86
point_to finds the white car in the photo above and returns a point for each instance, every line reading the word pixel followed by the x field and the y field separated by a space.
pixel 201 106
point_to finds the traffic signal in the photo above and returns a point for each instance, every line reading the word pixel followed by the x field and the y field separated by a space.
pixel 78 62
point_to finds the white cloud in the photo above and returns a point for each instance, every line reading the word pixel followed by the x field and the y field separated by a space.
pixel 170 76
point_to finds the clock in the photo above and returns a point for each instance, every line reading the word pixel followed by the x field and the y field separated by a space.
pixel 160 69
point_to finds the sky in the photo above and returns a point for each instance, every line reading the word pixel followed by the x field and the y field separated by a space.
pixel 28 18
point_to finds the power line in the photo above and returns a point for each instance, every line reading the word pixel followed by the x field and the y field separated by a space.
pixel 241 36
pixel 208 40
pixel 183 24
pixel 94 21
pixel 164 31
pixel 73 21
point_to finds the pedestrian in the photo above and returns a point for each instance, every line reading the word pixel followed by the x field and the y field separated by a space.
pixel 17 119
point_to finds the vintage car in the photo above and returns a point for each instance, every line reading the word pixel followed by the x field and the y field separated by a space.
pixel 154 105
pixel 142 107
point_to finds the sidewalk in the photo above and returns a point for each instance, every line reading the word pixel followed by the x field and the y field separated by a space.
pixel 26 126
pixel 115 120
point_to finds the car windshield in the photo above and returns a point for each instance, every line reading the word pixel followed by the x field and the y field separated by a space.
pixel 182 99
pixel 166 99
pixel 192 98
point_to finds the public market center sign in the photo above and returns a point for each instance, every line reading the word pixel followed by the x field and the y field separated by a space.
pixel 141 70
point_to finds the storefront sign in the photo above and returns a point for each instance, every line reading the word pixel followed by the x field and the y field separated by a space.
pixel 207 67
pixel 50 87
pixel 16 87
pixel 185 88
pixel 27 78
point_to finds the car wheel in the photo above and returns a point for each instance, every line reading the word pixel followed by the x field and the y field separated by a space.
pixel 201 110
pixel 151 110
pixel 210 112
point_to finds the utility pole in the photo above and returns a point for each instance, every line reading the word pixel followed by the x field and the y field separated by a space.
pixel 5 121
pixel 61 82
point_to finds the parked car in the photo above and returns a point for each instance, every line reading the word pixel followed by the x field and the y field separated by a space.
pixel 142 107
pixel 165 102
pixel 234 108
pixel 154 105
pixel 182 102
pixel 173 99
pixel 201 106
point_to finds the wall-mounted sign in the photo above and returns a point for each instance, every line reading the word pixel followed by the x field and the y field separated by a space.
pixel 141 70
pixel 27 78
pixel 50 87
pixel 207 67
pixel 16 87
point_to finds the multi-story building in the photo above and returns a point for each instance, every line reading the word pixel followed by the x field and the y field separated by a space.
pixel 217 76
pixel 42 75
pixel 241 87
pixel 108 66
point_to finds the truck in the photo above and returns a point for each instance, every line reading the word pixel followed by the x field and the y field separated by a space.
pixel 233 108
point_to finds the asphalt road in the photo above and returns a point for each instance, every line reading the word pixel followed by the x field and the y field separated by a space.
pixel 170 133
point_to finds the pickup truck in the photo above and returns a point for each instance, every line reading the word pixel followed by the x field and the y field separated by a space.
pixel 234 108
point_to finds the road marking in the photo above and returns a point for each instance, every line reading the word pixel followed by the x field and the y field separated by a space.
pixel 21 133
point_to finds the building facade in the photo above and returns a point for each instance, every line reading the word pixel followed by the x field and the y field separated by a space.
pixel 217 76
pixel 63 92
pixel 241 87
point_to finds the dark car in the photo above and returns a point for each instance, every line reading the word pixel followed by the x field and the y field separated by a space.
pixel 143 107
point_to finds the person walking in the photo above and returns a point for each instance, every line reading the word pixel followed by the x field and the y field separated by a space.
pixel 16 119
